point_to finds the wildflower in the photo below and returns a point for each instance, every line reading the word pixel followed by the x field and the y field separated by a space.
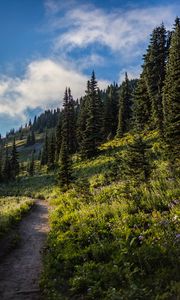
pixel 140 237
pixel 178 237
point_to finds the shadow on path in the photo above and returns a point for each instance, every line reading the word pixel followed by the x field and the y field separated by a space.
pixel 21 268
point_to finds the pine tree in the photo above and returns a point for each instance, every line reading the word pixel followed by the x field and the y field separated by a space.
pixel 81 120
pixel 33 138
pixel 6 170
pixel 110 119
pixel 92 135
pixel 31 167
pixel 14 161
pixel 58 137
pixel 65 172
pixel 154 70
pixel 44 155
pixel 141 106
pixel 137 161
pixel 124 108
pixel 171 95
pixel 72 124
pixel 65 159
pixel 51 152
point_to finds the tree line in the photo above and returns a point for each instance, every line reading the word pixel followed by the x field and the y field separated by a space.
pixel 151 102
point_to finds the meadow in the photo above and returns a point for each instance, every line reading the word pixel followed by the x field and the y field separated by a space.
pixel 113 237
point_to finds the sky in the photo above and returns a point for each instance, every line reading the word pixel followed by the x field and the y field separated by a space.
pixel 48 45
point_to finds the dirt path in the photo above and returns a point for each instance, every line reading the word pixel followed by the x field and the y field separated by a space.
pixel 21 268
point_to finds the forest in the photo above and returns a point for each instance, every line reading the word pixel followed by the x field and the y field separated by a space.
pixel 108 164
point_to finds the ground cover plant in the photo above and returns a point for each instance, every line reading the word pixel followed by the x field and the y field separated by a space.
pixel 12 210
pixel 112 236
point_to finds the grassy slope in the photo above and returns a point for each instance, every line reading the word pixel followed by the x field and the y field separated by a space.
pixel 11 211
pixel 109 238
pixel 16 198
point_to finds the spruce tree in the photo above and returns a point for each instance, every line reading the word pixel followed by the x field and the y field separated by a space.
pixel 137 160
pixel 6 169
pixel 44 155
pixel 81 120
pixel 51 152
pixel 92 135
pixel 72 124
pixel 124 108
pixel 154 70
pixel 65 158
pixel 141 106
pixel 58 137
pixel 171 95
pixel 110 118
pixel 14 161
pixel 31 167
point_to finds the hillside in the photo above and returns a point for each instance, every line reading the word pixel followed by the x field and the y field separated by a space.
pixel 113 238
pixel 108 166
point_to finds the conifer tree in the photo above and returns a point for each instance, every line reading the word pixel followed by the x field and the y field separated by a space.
pixel 81 120
pixel 137 161
pixel 124 108
pixel 171 95
pixel 51 152
pixel 14 161
pixel 31 167
pixel 65 159
pixel 72 124
pixel 154 70
pixel 141 106
pixel 58 137
pixel 6 170
pixel 44 155
pixel 110 119
pixel 92 136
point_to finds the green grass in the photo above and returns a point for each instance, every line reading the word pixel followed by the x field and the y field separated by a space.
pixel 34 187
pixel 111 238
pixel 11 211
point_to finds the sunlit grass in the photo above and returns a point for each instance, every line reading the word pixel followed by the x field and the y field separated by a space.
pixel 12 210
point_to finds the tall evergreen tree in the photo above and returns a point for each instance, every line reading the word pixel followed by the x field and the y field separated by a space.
pixel 154 70
pixel 31 167
pixel 137 160
pixel 14 161
pixel 51 152
pixel 141 106
pixel 44 155
pixel 81 120
pixel 72 124
pixel 92 136
pixel 65 158
pixel 58 137
pixel 6 170
pixel 110 119
pixel 124 108
pixel 171 95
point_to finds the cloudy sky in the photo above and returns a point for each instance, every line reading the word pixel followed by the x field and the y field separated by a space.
pixel 46 45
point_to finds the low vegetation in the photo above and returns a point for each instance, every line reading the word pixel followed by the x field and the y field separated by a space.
pixel 11 211
pixel 111 236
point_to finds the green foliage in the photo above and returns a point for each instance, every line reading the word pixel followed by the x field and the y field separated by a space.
pixel 171 96
pixel 92 135
pixel 111 239
pixel 11 211
pixel 124 108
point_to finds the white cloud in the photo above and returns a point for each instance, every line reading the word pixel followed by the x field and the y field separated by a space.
pixel 42 86
pixel 120 31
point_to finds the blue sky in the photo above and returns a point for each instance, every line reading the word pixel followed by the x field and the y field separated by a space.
pixel 47 45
